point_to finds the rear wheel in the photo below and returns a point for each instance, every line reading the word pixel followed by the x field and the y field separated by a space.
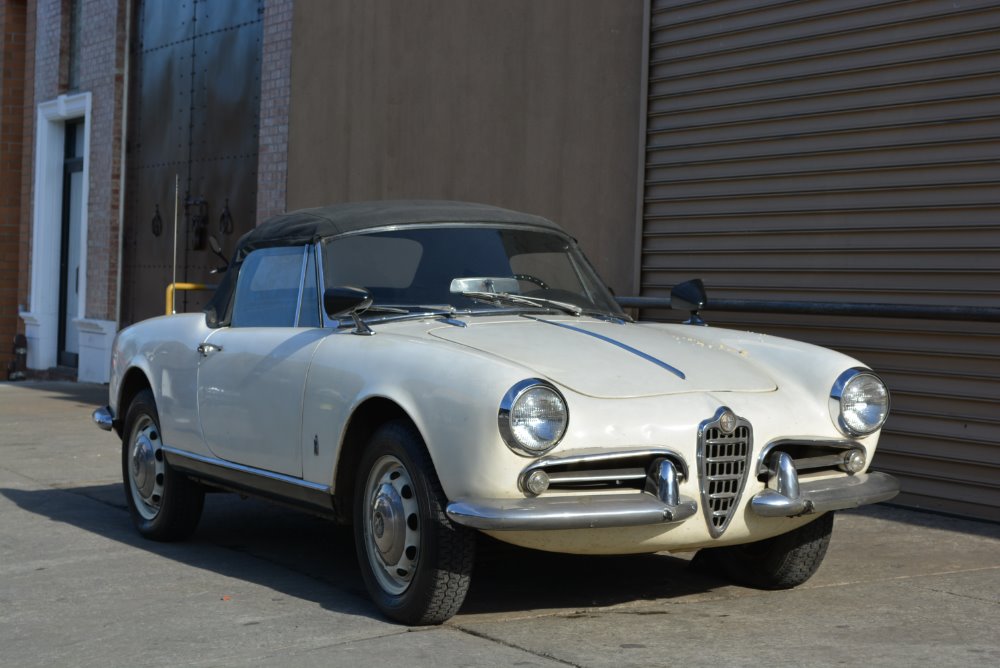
pixel 781 562
pixel 164 504
pixel 415 562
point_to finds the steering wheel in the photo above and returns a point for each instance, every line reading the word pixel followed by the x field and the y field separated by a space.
pixel 532 279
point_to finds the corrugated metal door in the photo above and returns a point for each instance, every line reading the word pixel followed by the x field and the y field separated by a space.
pixel 193 113
pixel 844 150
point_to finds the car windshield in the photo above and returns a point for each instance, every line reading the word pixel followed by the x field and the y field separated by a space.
pixel 468 268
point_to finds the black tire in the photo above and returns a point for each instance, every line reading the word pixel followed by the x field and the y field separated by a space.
pixel 781 562
pixel 415 563
pixel 164 504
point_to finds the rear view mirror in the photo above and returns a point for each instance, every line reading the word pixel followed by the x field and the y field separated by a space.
pixel 484 284
pixel 689 296
pixel 346 300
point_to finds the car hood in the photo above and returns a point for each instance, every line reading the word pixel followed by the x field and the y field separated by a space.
pixel 610 360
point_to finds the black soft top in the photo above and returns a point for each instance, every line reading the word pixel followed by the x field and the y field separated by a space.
pixel 308 225
pixel 305 226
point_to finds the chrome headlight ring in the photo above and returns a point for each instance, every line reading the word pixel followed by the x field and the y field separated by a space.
pixel 533 417
pixel 859 402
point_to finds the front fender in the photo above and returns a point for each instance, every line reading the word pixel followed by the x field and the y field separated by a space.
pixel 451 394
pixel 164 350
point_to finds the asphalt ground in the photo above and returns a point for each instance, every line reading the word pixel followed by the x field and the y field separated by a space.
pixel 259 585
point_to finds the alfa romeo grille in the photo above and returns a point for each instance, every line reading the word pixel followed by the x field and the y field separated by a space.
pixel 723 463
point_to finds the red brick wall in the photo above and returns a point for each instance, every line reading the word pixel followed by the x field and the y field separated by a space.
pixel 275 90
pixel 27 158
pixel 49 67
pixel 13 17
pixel 102 72
pixel 102 65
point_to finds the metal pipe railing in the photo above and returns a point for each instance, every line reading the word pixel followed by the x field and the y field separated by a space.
pixel 966 313
pixel 173 287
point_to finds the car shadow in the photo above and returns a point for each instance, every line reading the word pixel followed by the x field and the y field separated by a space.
pixel 296 554
pixel 510 578
pixel 283 542
pixel 84 394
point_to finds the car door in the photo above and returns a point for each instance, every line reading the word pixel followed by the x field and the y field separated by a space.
pixel 252 374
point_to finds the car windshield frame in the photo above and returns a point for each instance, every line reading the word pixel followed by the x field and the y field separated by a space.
pixel 583 270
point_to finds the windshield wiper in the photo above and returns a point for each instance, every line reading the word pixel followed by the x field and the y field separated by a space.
pixel 407 312
pixel 608 317
pixel 507 298
pixel 378 308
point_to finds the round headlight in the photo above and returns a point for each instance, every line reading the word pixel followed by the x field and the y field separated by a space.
pixel 859 402
pixel 533 417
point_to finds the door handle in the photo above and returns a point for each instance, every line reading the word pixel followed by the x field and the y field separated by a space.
pixel 206 348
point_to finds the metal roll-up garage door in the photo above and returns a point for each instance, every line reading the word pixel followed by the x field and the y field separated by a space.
pixel 844 150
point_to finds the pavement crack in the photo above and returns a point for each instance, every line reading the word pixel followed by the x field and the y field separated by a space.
pixel 963 596
pixel 510 645
pixel 900 578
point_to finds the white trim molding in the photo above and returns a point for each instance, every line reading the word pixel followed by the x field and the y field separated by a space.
pixel 42 319
pixel 96 337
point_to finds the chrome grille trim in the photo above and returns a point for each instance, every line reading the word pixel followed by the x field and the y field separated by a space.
pixel 600 468
pixel 723 466
pixel 796 446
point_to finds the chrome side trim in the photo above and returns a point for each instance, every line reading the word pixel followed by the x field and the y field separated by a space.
pixel 104 418
pixel 591 511
pixel 253 481
pixel 822 496
pixel 245 469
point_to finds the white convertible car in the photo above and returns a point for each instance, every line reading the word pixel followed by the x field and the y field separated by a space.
pixel 429 370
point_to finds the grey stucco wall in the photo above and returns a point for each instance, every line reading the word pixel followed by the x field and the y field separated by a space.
pixel 524 104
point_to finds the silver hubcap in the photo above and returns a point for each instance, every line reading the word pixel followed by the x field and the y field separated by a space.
pixel 145 466
pixel 392 524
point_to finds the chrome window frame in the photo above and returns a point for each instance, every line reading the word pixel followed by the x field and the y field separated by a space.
pixel 317 278
pixel 580 262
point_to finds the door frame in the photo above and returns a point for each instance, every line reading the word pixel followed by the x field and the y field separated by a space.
pixel 42 318
pixel 71 165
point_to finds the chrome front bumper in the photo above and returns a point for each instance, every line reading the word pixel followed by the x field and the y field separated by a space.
pixel 591 511
pixel 825 495
pixel 784 497
pixel 583 511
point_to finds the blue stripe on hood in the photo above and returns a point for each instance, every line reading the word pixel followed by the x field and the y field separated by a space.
pixel 623 346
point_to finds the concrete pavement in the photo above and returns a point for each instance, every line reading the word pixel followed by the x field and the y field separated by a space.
pixel 262 585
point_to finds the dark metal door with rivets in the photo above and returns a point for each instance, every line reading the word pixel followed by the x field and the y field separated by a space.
pixel 194 105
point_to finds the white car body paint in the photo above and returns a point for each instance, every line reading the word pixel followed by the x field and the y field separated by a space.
pixel 449 381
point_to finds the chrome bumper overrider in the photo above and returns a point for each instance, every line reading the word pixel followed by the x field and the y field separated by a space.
pixel 592 511
pixel 104 418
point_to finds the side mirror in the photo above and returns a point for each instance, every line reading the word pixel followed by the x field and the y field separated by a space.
pixel 689 296
pixel 213 243
pixel 345 300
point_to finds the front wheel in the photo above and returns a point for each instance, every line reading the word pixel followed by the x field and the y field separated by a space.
pixel 415 562
pixel 164 504
pixel 781 562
